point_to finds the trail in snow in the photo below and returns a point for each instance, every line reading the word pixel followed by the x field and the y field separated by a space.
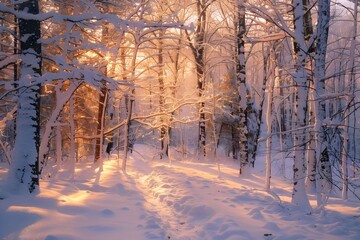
pixel 195 201
pixel 153 201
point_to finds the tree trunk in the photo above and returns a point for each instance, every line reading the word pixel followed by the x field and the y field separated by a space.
pixel 100 123
pixel 62 99
pixel 198 50
pixel 24 172
pixel 200 69
pixel 102 100
pixel 350 97
pixel 127 133
pixel 72 157
pixel 299 196
pixel 323 181
pixel 310 150
pixel 310 181
pixel 261 105
pixel 163 127
pixel 242 89
pixel 269 116
pixel 58 144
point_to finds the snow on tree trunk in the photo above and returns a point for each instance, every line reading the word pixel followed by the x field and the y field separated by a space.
pixel 72 138
pixel 310 181
pixel 163 127
pixel 323 166
pixel 58 143
pixel 24 171
pixel 344 160
pixel 278 117
pixel 242 88
pixel 127 131
pixel 100 123
pixel 61 99
pixel 299 196
pixel 349 99
pixel 198 50
pixel 199 53
pixel 353 48
pixel 102 100
pixel 129 102
pixel 269 117
pixel 261 105
pixel 310 149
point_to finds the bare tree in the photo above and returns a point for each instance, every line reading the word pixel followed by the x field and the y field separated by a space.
pixel 299 196
pixel 242 87
pixel 24 172
pixel 198 49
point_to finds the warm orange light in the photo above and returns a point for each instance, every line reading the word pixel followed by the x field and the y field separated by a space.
pixel 107 57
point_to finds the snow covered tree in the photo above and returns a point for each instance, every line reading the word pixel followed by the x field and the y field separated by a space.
pixel 9 71
pixel 269 116
pixel 24 171
pixel 299 195
pixel 197 46
pixel 323 167
pixel 240 24
pixel 350 98
pixel 103 94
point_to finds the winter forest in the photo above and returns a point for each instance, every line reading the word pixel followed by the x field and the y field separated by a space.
pixel 192 119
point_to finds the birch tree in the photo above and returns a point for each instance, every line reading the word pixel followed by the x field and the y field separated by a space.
pixel 242 87
pixel 323 170
pixel 299 196
pixel 269 115
pixel 349 100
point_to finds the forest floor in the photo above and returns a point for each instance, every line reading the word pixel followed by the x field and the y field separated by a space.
pixel 182 200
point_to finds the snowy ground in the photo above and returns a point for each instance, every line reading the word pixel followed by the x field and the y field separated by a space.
pixel 184 201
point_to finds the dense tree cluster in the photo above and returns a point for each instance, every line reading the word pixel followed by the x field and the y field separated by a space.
pixel 79 79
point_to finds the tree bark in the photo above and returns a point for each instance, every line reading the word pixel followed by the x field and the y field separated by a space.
pixel 299 196
pixel 163 127
pixel 102 100
pixel 24 172
pixel 323 166
pixel 269 116
pixel 350 97
pixel 200 69
pixel 127 133
pixel 198 50
pixel 100 122
pixel 242 89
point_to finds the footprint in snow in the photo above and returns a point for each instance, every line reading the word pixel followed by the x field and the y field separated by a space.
pixel 272 226
pixel 152 224
pixel 107 213
pixel 201 212
pixel 256 213
pixel 188 183
pixel 62 237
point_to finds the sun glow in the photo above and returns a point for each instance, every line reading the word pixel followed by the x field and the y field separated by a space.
pixel 107 57
pixel 37 210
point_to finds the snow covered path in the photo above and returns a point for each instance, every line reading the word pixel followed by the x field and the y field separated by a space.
pixel 197 202
pixel 187 201
pixel 80 209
